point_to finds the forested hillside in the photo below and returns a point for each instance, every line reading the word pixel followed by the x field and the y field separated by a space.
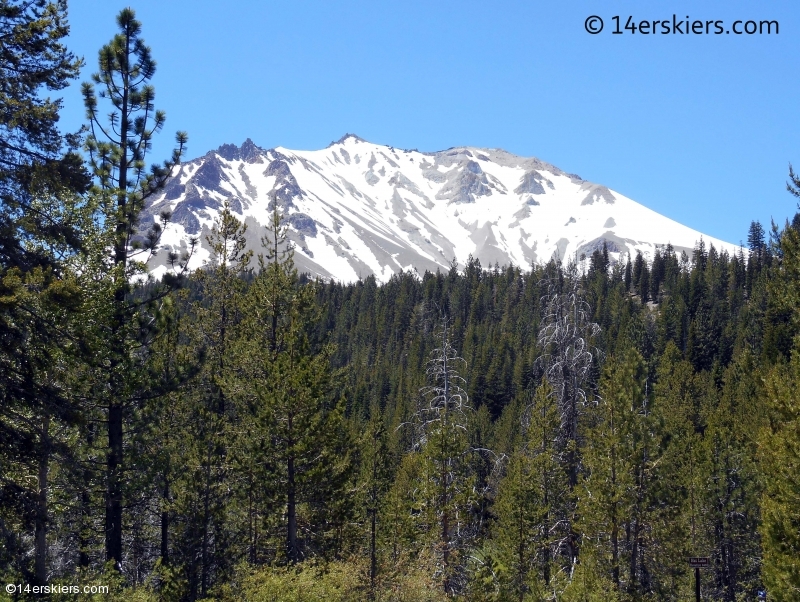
pixel 242 432
pixel 491 434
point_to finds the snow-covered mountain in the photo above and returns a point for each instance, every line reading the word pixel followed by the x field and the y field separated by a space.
pixel 357 208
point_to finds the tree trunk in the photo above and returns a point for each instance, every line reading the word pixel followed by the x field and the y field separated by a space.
pixel 40 561
pixel 165 526
pixel 206 521
pixel 291 512
pixel 614 517
pixel 446 550
pixel 251 536
pixel 373 555
pixel 83 543
pixel 86 511
pixel 114 495
pixel 634 556
pixel 520 577
pixel 113 526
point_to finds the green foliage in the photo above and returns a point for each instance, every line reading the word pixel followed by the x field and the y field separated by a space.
pixel 534 495
pixel 588 583
pixel 33 61
pixel 309 583
pixel 202 443
pixel 42 222
pixel 780 503
pixel 678 478
pixel 617 466
pixel 779 442
pixel 295 436
pixel 732 480
pixel 117 151
pixel 257 442
pixel 131 319
pixel 374 480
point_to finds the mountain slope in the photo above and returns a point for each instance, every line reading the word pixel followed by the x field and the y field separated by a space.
pixel 357 208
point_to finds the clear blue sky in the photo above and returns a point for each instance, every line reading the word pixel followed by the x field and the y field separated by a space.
pixel 700 128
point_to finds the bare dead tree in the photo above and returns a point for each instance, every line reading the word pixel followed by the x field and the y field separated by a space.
pixel 565 338
pixel 445 403
pixel 441 423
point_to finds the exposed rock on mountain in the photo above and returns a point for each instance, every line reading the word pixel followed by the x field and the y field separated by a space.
pixel 356 209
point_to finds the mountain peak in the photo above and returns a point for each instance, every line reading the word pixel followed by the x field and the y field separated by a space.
pixel 344 139
pixel 248 152
pixel 360 209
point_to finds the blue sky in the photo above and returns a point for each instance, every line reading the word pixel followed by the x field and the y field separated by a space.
pixel 700 128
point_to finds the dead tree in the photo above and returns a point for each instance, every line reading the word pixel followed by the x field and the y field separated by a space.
pixel 441 422
pixel 565 340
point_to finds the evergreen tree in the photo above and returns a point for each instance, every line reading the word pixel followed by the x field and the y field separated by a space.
pixel 644 283
pixel 299 436
pixel 613 498
pixel 42 215
pixel 679 475
pixel 117 153
pixel 38 410
pixel 657 276
pixel 732 482
pixel 628 273
pixel 780 461
pixel 375 479
pixel 33 58
pixel 757 257
pixel 204 491
pixel 169 429
pixel 779 444
pixel 755 238
pixel 532 497
pixel 638 266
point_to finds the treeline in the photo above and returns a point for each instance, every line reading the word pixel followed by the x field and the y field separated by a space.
pixel 244 432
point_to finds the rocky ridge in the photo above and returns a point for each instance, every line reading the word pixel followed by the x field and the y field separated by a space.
pixel 356 209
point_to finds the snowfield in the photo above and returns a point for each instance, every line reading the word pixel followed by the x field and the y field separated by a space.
pixel 356 209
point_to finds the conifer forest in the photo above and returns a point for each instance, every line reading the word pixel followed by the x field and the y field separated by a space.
pixel 564 432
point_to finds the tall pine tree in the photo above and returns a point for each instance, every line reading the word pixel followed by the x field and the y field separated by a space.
pixel 117 152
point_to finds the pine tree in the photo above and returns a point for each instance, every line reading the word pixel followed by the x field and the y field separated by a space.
pixel 780 460
pixel 657 276
pixel 638 266
pixel 679 475
pixel 755 238
pixel 42 214
pixel 33 58
pixel 299 435
pixel 205 491
pixel 117 153
pixel 628 278
pixel 612 497
pixel 779 443
pixel 732 482
pixel 375 479
pixel 531 500
pixel 167 424
pixel 38 410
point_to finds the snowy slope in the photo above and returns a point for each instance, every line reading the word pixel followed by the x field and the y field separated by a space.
pixel 357 208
